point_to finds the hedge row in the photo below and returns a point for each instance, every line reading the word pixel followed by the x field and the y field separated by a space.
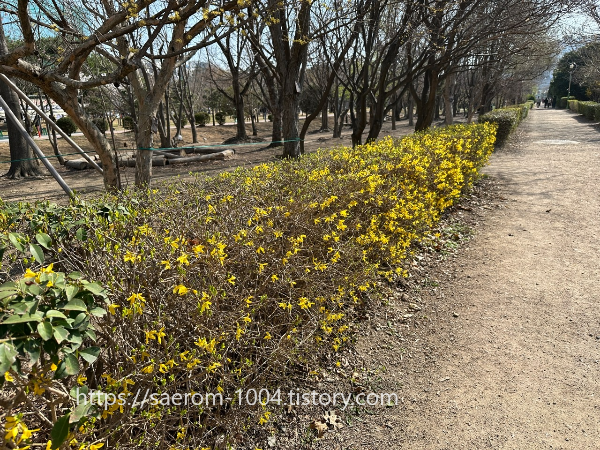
pixel 563 102
pixel 507 119
pixel 591 110
pixel 244 280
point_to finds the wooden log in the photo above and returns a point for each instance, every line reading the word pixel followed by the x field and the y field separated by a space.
pixel 130 162
pixel 78 164
pixel 167 155
pixel 206 151
pixel 227 154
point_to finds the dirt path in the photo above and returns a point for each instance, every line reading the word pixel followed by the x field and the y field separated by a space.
pixel 505 353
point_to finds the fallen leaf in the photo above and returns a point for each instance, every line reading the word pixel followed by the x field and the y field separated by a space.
pixel 333 419
pixel 319 426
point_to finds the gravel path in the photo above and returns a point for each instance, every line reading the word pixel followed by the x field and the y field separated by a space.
pixel 507 350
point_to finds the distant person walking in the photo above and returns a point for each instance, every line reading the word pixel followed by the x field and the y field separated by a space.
pixel 546 102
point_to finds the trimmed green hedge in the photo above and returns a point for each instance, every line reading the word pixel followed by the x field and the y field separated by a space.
pixel 591 110
pixel 573 105
pixel 507 119
pixel 562 103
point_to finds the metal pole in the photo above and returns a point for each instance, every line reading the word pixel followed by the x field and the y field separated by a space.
pixel 569 91
pixel 26 99
pixel 38 152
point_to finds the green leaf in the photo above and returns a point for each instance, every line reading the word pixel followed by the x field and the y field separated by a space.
pixel 55 313
pixel 90 354
pixel 60 431
pixel 91 334
pixel 98 312
pixel 37 252
pixel 8 354
pixel 35 317
pixel 15 239
pixel 71 290
pixel 32 348
pixel 80 412
pixel 75 275
pixel 21 307
pixel 44 240
pixel 61 371
pixel 72 365
pixel 95 288
pixel 79 320
pixel 81 234
pixel 75 338
pixel 8 290
pixel 45 330
pixel 34 289
pixel 78 390
pixel 75 305
pixel 60 334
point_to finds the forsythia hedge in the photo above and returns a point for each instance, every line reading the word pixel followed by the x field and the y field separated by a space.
pixel 238 281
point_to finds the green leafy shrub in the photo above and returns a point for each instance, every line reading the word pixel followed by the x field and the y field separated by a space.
pixel 101 124
pixel 591 110
pixel 128 122
pixel 270 267
pixel 184 120
pixel 201 118
pixel 220 118
pixel 507 119
pixel 573 105
pixel 562 102
pixel 67 125
pixel 47 335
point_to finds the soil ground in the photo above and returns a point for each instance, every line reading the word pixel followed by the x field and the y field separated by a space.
pixel 503 349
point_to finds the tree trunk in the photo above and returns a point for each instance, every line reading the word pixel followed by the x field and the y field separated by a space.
pixel 96 139
pixel 325 118
pixel 143 160
pixel 427 104
pixel 337 126
pixel 289 116
pixel 189 104
pixel 52 137
pixel 449 99
pixel 22 163
pixel 274 100
pixel 162 132
pixel 180 112
pixel 377 115
pixel 360 120
pixel 239 113
pixel 253 119
pixel 193 128
pixel 168 114
pixel 411 112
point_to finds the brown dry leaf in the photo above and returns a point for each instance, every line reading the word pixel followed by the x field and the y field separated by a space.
pixel 333 420
pixel 319 426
